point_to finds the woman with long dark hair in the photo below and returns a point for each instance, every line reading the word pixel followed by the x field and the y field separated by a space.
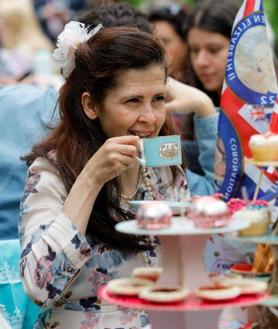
pixel 208 36
pixel 83 174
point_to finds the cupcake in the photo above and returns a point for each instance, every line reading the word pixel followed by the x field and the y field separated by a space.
pixel 259 217
pixel 264 147
pixel 209 212
pixel 154 215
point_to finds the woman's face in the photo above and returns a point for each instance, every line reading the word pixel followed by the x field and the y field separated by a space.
pixel 175 47
pixel 208 54
pixel 136 106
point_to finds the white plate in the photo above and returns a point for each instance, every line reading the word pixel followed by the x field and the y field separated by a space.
pixel 176 206
pixel 180 226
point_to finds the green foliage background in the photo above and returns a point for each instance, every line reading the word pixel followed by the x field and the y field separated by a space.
pixel 271 9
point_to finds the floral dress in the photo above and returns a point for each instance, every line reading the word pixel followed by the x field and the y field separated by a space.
pixel 62 271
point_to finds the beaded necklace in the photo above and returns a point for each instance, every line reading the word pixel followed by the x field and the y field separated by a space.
pixel 148 184
pixel 129 197
pixel 143 176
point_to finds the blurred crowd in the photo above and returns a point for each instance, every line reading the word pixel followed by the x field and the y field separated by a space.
pixel 29 30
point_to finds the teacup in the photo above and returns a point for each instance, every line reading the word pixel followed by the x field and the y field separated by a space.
pixel 160 151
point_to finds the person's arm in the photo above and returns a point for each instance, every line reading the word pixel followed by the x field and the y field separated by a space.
pixel 186 99
pixel 53 224
pixel 115 156
pixel 206 134
pixel 53 250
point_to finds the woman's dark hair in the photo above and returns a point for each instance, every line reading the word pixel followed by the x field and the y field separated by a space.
pixel 116 14
pixel 213 16
pixel 98 64
pixel 174 14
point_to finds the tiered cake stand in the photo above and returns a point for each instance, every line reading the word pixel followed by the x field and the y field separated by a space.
pixel 182 258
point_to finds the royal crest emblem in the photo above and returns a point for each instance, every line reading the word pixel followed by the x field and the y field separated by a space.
pixel 168 150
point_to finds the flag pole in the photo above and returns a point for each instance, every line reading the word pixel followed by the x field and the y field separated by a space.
pixel 256 193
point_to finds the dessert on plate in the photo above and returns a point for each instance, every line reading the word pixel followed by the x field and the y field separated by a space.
pixel 218 292
pixel 246 286
pixel 209 212
pixel 263 259
pixel 247 270
pixel 154 215
pixel 164 294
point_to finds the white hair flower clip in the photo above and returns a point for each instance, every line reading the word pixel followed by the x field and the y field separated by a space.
pixel 68 41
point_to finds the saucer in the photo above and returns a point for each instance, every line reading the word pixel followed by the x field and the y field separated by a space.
pixel 177 207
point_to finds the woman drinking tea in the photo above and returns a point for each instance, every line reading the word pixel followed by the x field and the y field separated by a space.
pixel 82 175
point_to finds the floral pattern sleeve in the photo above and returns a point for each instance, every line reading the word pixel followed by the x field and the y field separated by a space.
pixel 53 251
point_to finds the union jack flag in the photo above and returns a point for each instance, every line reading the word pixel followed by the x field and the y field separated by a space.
pixel 249 104
pixel 258 113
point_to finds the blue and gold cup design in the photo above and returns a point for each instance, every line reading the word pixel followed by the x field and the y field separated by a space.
pixel 160 151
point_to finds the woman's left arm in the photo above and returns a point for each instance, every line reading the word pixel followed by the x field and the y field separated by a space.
pixel 53 250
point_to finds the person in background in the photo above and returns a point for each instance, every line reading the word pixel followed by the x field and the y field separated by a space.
pixel 209 27
pixel 208 35
pixel 26 116
pixel 21 39
pixel 83 174
pixel 113 13
pixel 54 14
pixel 169 23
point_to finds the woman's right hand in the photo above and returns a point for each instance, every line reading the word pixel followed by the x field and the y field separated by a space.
pixel 115 156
